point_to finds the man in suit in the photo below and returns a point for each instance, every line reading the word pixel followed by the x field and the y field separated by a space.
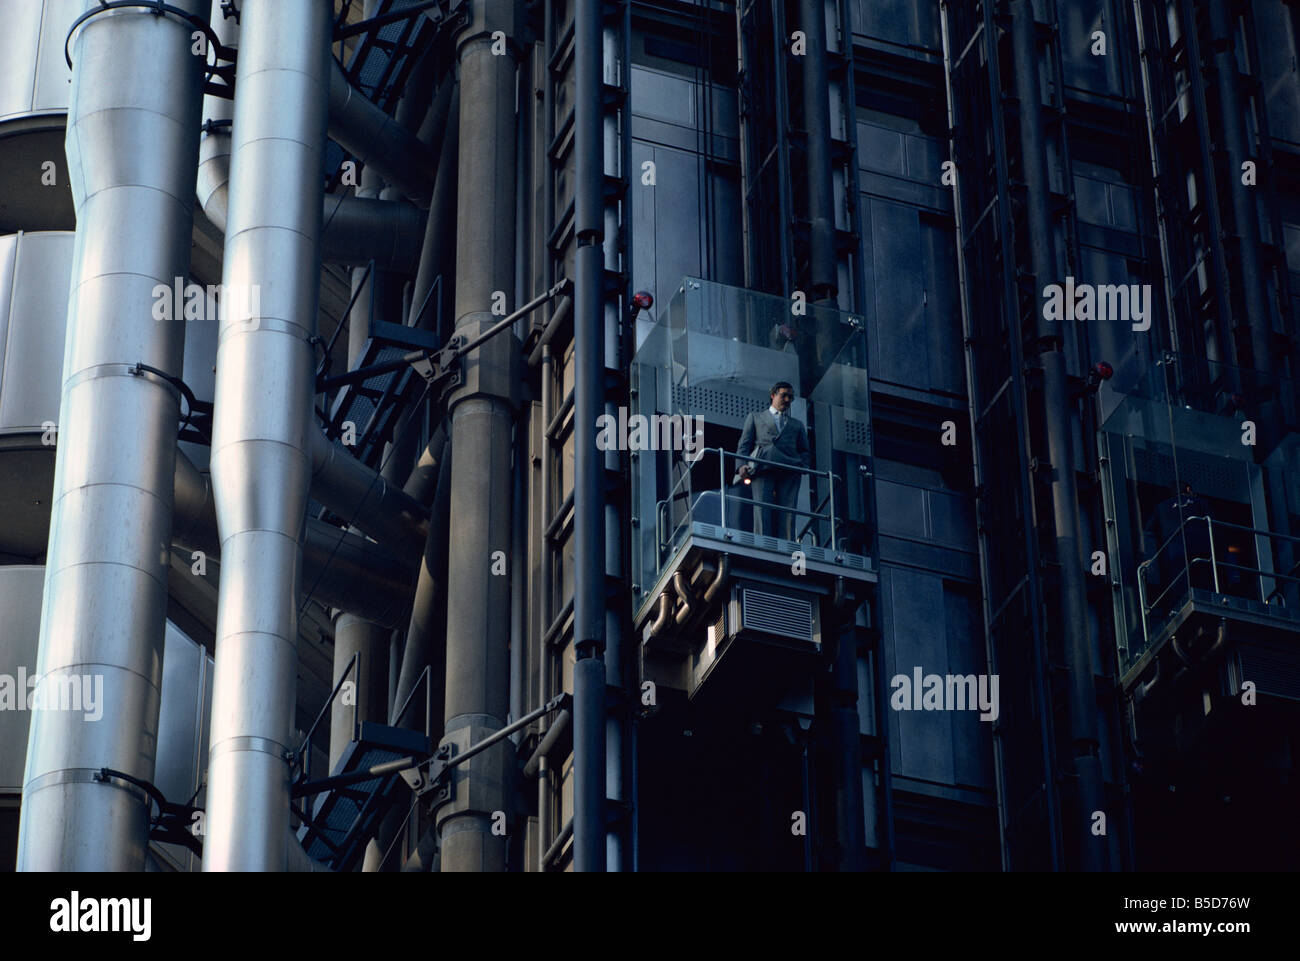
pixel 773 435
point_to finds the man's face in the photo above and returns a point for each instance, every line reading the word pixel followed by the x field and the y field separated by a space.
pixel 781 399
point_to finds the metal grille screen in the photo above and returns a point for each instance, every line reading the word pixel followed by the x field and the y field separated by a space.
pixel 775 614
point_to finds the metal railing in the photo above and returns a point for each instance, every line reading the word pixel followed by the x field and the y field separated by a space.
pixel 1236 573
pixel 684 491
pixel 302 757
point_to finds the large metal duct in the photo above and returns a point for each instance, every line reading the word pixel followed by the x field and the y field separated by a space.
pixel 132 146
pixel 822 271
pixel 339 568
pixel 380 142
pixel 261 458
pixel 356 229
pixel 365 499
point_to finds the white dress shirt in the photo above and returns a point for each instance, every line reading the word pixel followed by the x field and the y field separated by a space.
pixel 780 425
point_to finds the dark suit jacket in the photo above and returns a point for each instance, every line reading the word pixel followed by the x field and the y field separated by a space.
pixel 760 439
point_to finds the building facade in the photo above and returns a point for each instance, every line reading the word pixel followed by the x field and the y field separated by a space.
pixel 375 378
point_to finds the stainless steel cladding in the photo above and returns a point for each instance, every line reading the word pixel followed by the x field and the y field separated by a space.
pixel 261 460
pixel 355 228
pixel 132 147
pixel 379 141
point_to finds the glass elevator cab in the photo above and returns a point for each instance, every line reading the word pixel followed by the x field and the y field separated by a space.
pixel 1199 475
pixel 735 586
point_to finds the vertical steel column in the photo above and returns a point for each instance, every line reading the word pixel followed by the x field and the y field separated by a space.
pixel 132 145
pixel 817 123
pixel 823 275
pixel 1258 332
pixel 482 423
pixel 850 806
pixel 1056 403
pixel 589 404
pixel 261 459
pixel 619 727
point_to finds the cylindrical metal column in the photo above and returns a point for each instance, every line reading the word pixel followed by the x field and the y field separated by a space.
pixel 482 421
pixel 357 228
pixel 132 146
pixel 261 460
pixel 588 461
pixel 817 122
pixel 1255 335
pixel 1057 415
pixel 850 808
pixel 823 279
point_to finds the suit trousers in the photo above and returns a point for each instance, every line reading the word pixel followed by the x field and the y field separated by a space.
pixel 779 487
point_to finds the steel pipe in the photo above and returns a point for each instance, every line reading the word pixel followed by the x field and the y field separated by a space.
pixel 340 569
pixel 132 147
pixel 1058 416
pixel 356 229
pixel 361 128
pixel 261 453
pixel 365 499
pixel 817 122
pixel 589 604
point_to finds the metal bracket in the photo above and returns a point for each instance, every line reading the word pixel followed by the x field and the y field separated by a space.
pixel 433 774
pixel 442 369
pixel 172 822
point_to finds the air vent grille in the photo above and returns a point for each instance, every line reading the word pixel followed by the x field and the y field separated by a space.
pixel 777 614
pixel 724 404
pixel 1274 672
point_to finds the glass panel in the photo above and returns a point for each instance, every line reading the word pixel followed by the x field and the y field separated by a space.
pixel 709 362
pixel 1190 465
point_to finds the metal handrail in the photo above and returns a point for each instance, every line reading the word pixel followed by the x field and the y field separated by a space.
pixel 302 758
pixel 1213 561
pixel 683 490
pixel 824 501
pixel 425 679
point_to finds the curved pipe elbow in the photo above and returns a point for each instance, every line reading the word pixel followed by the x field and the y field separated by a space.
pixel 361 496
pixel 685 595
pixel 361 128
pixel 663 614
pixel 354 229
pixel 720 578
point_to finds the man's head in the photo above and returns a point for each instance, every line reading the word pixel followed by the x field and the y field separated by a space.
pixel 782 395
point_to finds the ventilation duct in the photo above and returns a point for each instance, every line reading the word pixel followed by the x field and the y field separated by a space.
pixel 132 144
pixel 378 141
pixel 261 456
pixel 339 568
pixel 356 229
